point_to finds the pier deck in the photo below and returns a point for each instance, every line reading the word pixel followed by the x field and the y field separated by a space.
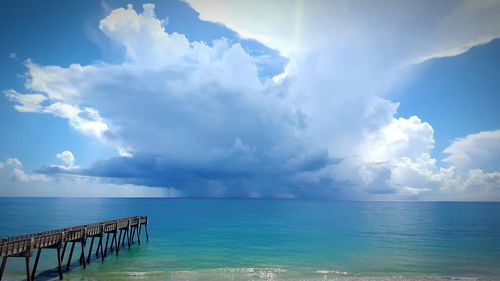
pixel 58 239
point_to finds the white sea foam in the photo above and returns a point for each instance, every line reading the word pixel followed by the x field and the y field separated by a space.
pixel 333 272
pixel 252 269
pixel 244 274
pixel 252 273
pixel 282 274
pixel 144 273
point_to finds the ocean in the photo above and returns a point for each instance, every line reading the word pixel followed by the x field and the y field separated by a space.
pixel 250 239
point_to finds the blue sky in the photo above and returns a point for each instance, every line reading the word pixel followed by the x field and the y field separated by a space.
pixel 457 95
pixel 246 99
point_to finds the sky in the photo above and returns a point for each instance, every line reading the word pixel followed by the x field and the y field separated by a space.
pixel 338 100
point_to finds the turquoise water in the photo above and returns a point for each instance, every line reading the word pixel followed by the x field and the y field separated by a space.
pixel 215 239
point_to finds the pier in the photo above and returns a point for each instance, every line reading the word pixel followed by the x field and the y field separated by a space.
pixel 121 231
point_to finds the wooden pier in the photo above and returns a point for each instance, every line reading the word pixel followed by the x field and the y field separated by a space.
pixel 121 231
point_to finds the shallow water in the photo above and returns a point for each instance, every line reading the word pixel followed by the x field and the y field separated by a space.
pixel 215 239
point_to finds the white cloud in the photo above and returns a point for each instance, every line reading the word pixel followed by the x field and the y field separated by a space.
pixel 466 24
pixel 66 167
pixel 479 180
pixel 397 157
pixel 475 151
pixel 67 186
pixel 201 105
pixel 267 25
pixel 137 31
pixel 62 110
pixel 14 181
pixel 412 191
pixel 22 176
pixel 134 106
pixel 455 51
pixel 401 138
pixel 66 158
pixel 13 168
pixel 87 120
pixel 336 73
pixel 13 162
pixel 26 102
pixel 293 27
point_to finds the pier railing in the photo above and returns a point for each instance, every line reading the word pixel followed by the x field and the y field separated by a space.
pixel 23 245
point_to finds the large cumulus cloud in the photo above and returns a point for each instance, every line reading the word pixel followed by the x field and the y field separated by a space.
pixel 184 114
pixel 197 118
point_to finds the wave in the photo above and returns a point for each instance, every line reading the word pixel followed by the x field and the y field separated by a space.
pixel 244 274
pixel 334 272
